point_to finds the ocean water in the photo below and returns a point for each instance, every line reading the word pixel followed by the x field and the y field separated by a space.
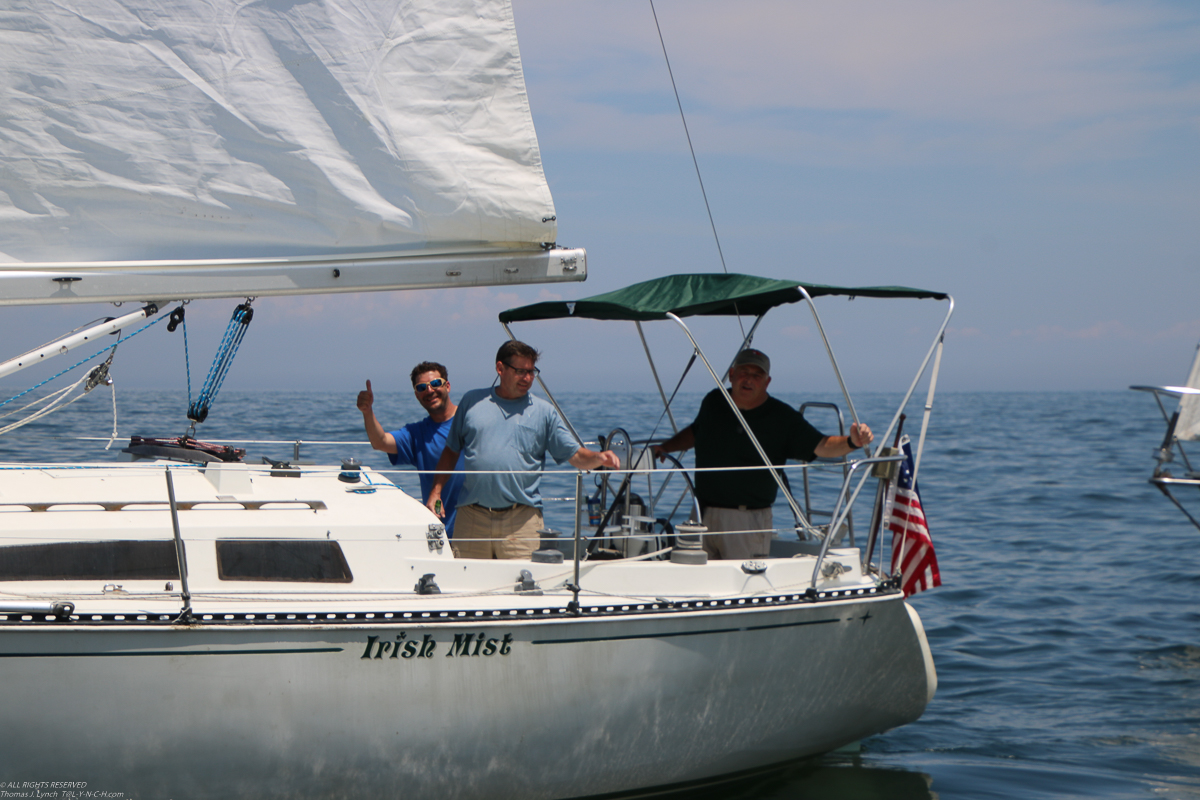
pixel 1065 634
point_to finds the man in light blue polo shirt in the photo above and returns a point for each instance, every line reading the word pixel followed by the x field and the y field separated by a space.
pixel 504 436
pixel 419 443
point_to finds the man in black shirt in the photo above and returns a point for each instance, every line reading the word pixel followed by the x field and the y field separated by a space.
pixel 741 500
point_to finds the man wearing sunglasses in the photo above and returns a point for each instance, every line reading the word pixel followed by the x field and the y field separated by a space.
pixel 420 444
pixel 504 435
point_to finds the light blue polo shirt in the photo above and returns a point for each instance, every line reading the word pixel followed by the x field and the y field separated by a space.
pixel 491 433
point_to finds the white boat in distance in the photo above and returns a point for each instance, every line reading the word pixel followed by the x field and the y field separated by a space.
pixel 188 625
pixel 1183 425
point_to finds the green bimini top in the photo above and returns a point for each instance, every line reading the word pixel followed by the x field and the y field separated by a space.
pixel 699 293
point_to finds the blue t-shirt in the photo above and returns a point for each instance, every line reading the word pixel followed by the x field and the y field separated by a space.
pixel 491 433
pixel 420 444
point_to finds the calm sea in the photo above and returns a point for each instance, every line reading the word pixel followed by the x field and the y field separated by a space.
pixel 1066 632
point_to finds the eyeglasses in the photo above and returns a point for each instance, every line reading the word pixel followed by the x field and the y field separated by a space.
pixel 522 372
pixel 436 383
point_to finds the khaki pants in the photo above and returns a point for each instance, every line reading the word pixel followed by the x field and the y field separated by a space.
pixel 736 546
pixel 482 533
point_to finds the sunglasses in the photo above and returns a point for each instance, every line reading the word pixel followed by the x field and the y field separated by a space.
pixel 436 383
pixel 522 372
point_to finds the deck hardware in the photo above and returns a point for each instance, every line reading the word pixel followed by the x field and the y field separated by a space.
pixel 687 548
pixel 97 377
pixel 281 469
pixel 170 587
pixel 886 469
pixel 526 584
pixel 547 556
pixel 114 588
pixel 573 607
pixel 427 585
pixel 754 567
pixel 60 609
pixel 351 470
pixel 436 536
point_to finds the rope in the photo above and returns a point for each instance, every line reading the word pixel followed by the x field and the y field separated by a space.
pixel 81 363
pixel 57 399
pixel 234 332
pixel 187 358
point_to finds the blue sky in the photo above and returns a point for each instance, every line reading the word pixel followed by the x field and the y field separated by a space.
pixel 1039 160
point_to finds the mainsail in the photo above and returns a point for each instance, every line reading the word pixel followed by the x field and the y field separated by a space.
pixel 167 149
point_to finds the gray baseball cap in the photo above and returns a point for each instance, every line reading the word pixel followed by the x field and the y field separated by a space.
pixel 755 358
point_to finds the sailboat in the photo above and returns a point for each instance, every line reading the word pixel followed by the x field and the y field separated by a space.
pixel 1183 425
pixel 190 625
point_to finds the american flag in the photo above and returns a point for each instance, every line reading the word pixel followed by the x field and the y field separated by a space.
pixel 912 549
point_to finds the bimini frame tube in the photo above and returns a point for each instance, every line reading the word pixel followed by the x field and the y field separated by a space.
pixel 935 349
pixel 745 426
pixel 837 371
pixel 933 376
pixel 657 382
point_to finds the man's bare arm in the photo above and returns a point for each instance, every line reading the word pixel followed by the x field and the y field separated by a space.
pixel 380 439
pixel 684 440
pixel 590 459
pixel 838 446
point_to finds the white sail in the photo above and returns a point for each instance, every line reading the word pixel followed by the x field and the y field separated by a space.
pixel 1188 427
pixel 155 149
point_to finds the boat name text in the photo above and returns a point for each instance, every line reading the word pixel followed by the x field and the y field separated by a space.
pixel 464 644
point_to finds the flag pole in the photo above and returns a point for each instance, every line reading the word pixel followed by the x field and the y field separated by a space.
pixel 881 497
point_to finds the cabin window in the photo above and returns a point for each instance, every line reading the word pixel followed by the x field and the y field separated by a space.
pixel 77 561
pixel 312 561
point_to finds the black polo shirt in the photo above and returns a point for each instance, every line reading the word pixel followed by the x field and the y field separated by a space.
pixel 722 442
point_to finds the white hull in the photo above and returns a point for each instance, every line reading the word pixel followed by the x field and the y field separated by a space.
pixel 671 673
pixel 574 708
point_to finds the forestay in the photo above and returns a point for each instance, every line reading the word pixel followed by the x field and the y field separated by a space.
pixel 154 149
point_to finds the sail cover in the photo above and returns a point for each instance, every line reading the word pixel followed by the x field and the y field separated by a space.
pixel 168 136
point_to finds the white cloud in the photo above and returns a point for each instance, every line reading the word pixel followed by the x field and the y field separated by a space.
pixel 1042 81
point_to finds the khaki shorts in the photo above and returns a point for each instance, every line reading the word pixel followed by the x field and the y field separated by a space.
pixel 482 533
pixel 735 546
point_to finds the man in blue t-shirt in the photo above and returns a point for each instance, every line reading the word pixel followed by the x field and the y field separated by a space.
pixel 420 444
pixel 502 437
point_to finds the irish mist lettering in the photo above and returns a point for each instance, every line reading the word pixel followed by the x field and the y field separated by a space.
pixel 464 645
pixel 471 644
